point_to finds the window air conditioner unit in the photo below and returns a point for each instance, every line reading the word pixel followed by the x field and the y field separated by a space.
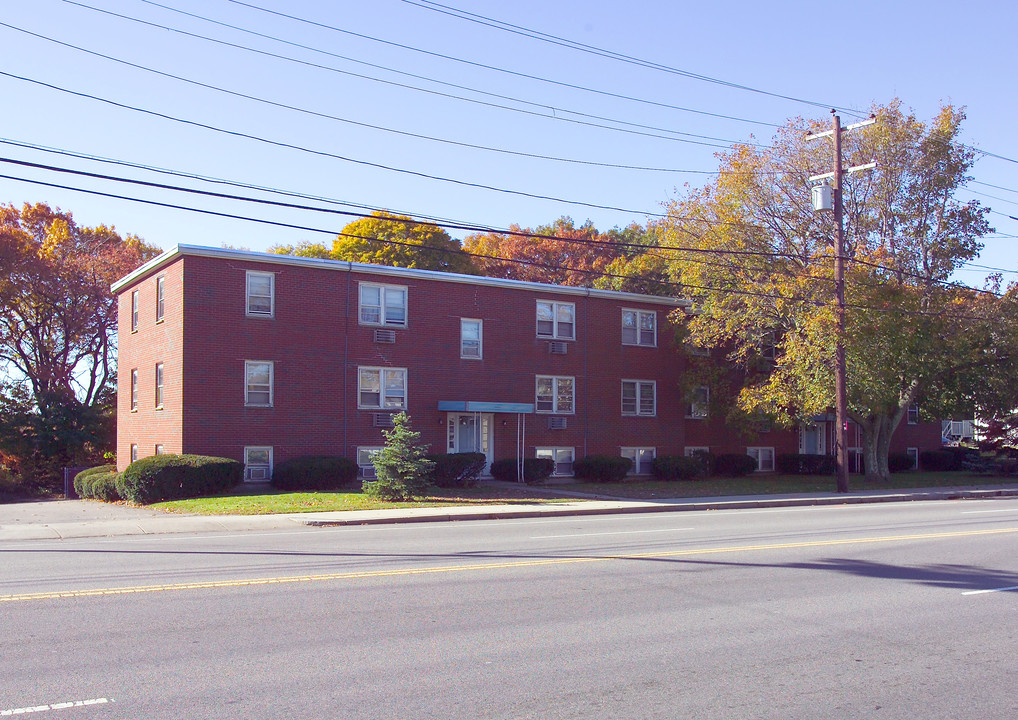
pixel 557 423
pixel 368 471
pixel 381 420
pixel 558 348
pixel 385 336
pixel 257 474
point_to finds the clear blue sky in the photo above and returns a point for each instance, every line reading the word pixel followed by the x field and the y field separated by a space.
pixel 831 54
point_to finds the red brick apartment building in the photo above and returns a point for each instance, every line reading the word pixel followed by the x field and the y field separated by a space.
pixel 263 358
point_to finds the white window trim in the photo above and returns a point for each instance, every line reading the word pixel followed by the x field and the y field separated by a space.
pixel 704 413
pixel 135 310
pixel 134 452
pixel 381 406
pixel 554 394
pixel 272 294
pixel 364 464
pixel 690 450
pixel 160 298
pixel 383 321
pixel 758 458
pixel 160 385
pixel 247 383
pixel 555 335
pixel 913 452
pixel 247 465
pixel 639 411
pixel 639 333
pixel 636 452
pixel 554 458
pixel 912 414
pixel 159 449
pixel 480 339
pixel 134 390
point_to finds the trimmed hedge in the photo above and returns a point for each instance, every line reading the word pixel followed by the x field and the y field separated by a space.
pixel 83 482
pixel 315 473
pixel 602 468
pixel 793 464
pixel 949 459
pixel 98 486
pixel 455 470
pixel 899 462
pixel 707 459
pixel 734 465
pixel 535 470
pixel 172 477
pixel 678 467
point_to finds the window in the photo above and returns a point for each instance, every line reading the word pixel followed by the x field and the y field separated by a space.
pixel 134 390
pixel 913 453
pixel 365 455
pixel 381 388
pixel 134 452
pixel 556 320
pixel 639 327
pixel 257 464
pixel 470 338
pixel 383 305
pixel 768 345
pixel 159 386
pixel 160 297
pixel 258 383
pixel 261 296
pixel 561 456
pixel 642 457
pixel 134 311
pixel 159 450
pixel 694 450
pixel 639 397
pixel 697 409
pixel 913 414
pixel 764 457
pixel 554 394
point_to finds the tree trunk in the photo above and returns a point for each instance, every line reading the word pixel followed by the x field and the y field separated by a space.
pixel 884 447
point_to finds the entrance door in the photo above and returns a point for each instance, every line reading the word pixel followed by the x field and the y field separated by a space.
pixel 471 432
pixel 812 439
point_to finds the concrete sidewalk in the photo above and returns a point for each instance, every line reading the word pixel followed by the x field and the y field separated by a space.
pixel 65 519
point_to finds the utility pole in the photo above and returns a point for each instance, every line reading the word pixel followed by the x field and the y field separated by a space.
pixel 820 202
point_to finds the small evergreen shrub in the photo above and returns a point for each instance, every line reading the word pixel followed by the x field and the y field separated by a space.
pixel 100 486
pixel 602 468
pixel 707 459
pixel 899 462
pixel 793 464
pixel 83 480
pixel 313 473
pixel 678 467
pixel 455 470
pixel 402 472
pixel 173 477
pixel 937 460
pixel 734 465
pixel 535 470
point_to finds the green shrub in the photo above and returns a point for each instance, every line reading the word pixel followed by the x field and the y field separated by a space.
pixel 172 477
pixel 10 488
pixel 456 470
pixel 315 473
pixel 535 470
pixel 734 465
pixel 792 464
pixel 82 481
pixel 899 462
pixel 678 467
pixel 402 471
pixel 100 486
pixel 707 459
pixel 602 468
pixel 947 459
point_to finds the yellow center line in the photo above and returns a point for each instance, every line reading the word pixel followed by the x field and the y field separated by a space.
pixel 212 584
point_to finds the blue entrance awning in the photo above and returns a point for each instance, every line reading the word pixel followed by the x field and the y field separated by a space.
pixel 485 407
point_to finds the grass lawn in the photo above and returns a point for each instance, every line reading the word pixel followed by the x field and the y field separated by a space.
pixel 264 500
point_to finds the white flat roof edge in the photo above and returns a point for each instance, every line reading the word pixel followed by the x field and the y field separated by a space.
pixel 346 266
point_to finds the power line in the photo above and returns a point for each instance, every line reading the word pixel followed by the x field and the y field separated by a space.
pixel 322 153
pixel 601 52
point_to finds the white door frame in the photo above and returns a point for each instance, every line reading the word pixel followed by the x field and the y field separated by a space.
pixel 484 424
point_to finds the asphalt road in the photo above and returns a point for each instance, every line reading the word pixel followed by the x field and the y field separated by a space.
pixel 869 611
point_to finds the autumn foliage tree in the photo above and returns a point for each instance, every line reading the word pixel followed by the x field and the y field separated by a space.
pixel 758 263
pixel 58 322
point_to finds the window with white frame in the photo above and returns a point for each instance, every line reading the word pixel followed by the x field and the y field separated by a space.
pixel 642 457
pixel 160 298
pixel 471 334
pixel 561 456
pixel 913 453
pixel 694 450
pixel 698 407
pixel 913 414
pixel 555 394
pixel 258 383
pixel 381 388
pixel 639 397
pixel 159 386
pixel 764 457
pixel 383 305
pixel 365 460
pixel 134 390
pixel 639 327
pixel 135 311
pixel 261 295
pixel 556 320
pixel 257 464
pixel 159 450
pixel 134 452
